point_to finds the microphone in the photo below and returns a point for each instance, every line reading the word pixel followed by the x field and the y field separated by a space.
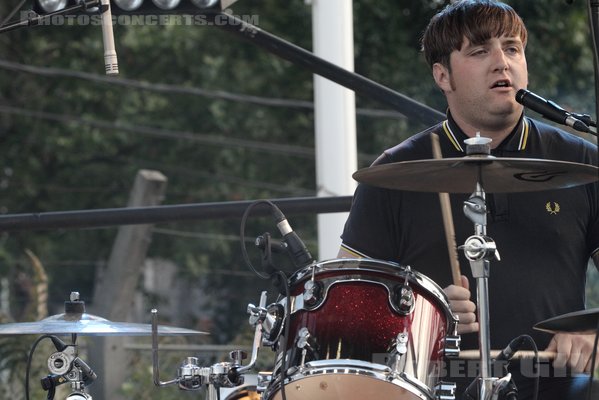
pixel 511 349
pixel 111 63
pixel 298 250
pixel 88 374
pixel 505 355
pixel 550 110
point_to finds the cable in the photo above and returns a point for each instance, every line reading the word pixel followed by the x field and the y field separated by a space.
pixel 505 355
pixel 244 252
pixel 12 13
pixel 294 150
pixel 287 321
pixel 29 359
pixel 282 282
pixel 176 89
pixel 220 177
pixel 532 343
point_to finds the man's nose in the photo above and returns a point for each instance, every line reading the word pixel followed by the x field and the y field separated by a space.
pixel 500 61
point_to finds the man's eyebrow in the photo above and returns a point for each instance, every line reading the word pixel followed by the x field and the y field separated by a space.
pixel 516 41
pixel 504 41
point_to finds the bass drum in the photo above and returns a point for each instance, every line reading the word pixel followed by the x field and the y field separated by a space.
pixel 244 393
pixel 247 391
pixel 364 329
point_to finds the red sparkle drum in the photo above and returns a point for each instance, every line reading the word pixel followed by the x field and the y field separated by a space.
pixel 364 329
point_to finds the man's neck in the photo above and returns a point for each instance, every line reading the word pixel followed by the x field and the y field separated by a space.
pixel 496 132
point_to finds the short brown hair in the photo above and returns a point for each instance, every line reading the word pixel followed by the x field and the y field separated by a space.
pixel 476 20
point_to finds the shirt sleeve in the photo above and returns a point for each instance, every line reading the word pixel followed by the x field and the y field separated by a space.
pixel 371 228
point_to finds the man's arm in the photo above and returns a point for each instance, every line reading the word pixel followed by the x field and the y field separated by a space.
pixel 574 350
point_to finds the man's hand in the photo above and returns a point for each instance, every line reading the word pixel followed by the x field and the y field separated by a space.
pixel 462 306
pixel 573 351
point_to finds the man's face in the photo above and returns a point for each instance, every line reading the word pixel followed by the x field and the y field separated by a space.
pixel 482 84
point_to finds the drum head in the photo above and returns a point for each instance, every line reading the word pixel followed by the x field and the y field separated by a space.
pixel 345 386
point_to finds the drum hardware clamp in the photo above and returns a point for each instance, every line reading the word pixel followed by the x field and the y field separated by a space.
pixel 66 366
pixel 191 376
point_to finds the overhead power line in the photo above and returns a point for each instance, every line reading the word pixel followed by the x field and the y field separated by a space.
pixel 220 140
pixel 177 89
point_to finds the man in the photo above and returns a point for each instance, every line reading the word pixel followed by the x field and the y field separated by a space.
pixel 475 49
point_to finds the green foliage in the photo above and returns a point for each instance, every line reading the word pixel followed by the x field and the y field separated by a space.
pixel 94 135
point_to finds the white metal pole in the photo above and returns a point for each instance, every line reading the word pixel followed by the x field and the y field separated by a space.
pixel 335 116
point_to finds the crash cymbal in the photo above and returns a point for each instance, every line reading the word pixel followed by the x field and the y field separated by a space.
pixel 88 325
pixel 584 321
pixel 460 175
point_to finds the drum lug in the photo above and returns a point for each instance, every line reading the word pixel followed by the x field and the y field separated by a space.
pixel 312 293
pixel 306 342
pixel 399 347
pixel 452 346
pixel 401 344
pixel 445 391
pixel 404 299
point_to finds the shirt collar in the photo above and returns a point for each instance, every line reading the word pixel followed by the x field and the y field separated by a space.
pixel 516 140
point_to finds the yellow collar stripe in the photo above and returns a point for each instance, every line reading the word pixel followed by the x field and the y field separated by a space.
pixel 353 251
pixel 451 136
pixel 524 135
pixel 521 144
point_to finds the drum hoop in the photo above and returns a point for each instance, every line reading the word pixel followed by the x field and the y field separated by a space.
pixel 371 265
pixel 361 368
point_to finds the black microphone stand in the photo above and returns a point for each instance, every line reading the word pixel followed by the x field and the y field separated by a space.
pixel 35 19
pixel 594 29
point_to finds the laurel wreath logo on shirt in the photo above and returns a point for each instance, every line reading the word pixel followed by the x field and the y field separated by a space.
pixel 552 209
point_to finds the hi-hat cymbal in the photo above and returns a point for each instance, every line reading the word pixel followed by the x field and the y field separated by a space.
pixel 89 325
pixel 585 321
pixel 460 175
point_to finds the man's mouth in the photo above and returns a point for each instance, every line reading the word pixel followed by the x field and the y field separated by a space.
pixel 503 83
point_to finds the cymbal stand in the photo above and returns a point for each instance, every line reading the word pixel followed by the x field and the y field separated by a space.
pixel 479 249
pixel 191 376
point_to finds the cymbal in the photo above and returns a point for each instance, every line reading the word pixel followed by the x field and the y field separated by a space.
pixel 89 325
pixel 584 321
pixel 460 175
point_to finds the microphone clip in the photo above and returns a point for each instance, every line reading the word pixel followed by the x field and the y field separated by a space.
pixel 265 243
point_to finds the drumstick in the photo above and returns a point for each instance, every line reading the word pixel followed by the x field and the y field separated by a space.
pixel 448 221
pixel 520 355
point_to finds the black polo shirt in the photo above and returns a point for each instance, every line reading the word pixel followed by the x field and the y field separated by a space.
pixel 544 238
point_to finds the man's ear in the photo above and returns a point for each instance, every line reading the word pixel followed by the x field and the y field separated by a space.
pixel 441 76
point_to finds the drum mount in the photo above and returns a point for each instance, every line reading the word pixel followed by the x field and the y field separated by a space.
pixel 229 374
